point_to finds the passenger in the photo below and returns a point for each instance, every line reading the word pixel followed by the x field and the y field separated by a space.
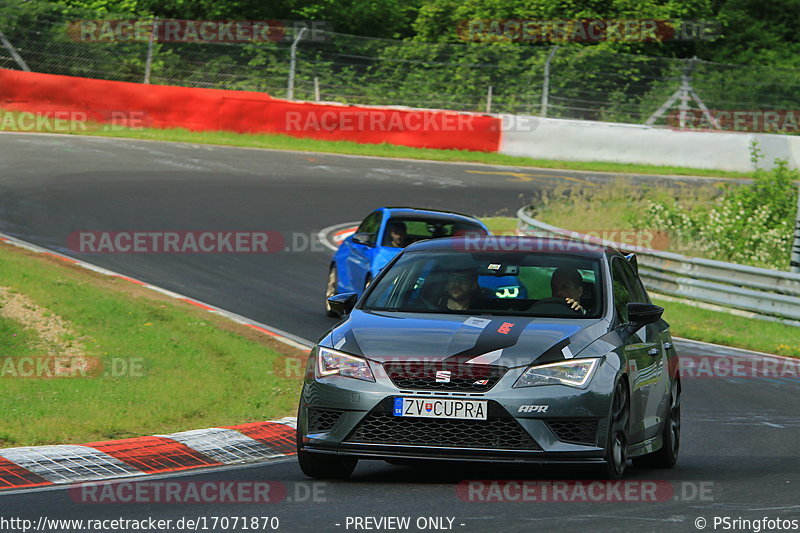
pixel 567 283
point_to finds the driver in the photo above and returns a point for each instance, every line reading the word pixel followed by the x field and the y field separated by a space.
pixel 567 283
pixel 462 291
pixel 398 235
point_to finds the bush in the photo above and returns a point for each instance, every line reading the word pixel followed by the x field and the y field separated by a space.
pixel 749 224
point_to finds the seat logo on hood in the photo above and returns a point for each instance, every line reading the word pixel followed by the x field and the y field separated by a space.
pixel 443 376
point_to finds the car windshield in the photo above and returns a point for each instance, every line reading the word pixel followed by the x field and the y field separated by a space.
pixel 403 231
pixel 508 283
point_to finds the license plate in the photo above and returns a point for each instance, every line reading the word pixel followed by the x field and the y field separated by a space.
pixel 440 408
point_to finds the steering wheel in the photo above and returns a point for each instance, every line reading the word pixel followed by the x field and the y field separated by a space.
pixel 553 305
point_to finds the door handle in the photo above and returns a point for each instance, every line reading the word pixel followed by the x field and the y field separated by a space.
pixel 652 352
pixel 667 345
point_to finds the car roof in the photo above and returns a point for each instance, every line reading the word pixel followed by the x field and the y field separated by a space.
pixel 508 243
pixel 434 214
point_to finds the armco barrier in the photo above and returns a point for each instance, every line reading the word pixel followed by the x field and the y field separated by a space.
pixel 196 109
pixel 582 140
pixel 768 294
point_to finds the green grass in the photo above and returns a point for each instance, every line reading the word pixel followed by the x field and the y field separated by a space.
pixel 501 225
pixel 286 142
pixel 730 330
pixel 16 339
pixel 620 208
pixel 197 371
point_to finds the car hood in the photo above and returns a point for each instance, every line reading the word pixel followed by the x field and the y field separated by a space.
pixel 507 341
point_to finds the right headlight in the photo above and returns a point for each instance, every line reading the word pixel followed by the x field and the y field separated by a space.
pixel 573 373
pixel 336 363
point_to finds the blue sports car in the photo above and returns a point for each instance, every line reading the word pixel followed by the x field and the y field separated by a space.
pixel 385 232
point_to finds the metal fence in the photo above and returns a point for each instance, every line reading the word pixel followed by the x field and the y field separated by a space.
pixel 584 82
pixel 768 294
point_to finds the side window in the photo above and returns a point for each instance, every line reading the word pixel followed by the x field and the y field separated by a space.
pixel 621 294
pixel 371 225
pixel 638 294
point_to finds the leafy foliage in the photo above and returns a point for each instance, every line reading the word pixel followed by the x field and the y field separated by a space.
pixel 750 224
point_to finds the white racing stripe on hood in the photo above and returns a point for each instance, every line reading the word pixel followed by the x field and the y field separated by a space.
pixel 487 358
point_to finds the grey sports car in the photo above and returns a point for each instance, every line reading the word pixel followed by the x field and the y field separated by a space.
pixel 428 364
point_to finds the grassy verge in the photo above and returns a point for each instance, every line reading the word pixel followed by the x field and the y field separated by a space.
pixel 155 365
pixel 16 338
pixel 730 330
pixel 686 321
pixel 609 211
pixel 286 142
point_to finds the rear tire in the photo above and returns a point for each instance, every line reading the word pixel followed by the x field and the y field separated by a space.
pixel 331 290
pixel 323 466
pixel 617 443
pixel 667 455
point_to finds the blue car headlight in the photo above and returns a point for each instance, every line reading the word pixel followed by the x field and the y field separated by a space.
pixel 573 373
pixel 334 363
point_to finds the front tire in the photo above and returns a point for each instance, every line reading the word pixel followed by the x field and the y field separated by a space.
pixel 331 289
pixel 323 466
pixel 617 442
pixel 667 455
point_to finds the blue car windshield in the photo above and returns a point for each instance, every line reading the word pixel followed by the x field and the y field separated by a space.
pixel 402 231
pixel 508 283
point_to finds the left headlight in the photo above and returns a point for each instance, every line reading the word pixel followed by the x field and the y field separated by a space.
pixel 574 373
pixel 333 363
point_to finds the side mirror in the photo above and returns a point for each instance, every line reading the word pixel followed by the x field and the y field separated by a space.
pixel 343 303
pixel 364 238
pixel 640 314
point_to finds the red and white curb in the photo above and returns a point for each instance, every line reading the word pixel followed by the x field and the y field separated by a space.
pixel 39 466
pixel 332 236
pixel 279 335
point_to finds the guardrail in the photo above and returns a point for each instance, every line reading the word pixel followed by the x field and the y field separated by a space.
pixel 767 294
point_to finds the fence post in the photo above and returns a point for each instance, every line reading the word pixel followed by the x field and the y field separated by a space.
pixel 316 89
pixel 489 100
pixel 149 63
pixel 292 62
pixel 13 52
pixel 546 82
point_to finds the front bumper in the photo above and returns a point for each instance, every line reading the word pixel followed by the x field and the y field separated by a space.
pixel 350 417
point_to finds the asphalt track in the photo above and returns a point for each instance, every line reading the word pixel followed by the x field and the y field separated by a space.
pixel 739 456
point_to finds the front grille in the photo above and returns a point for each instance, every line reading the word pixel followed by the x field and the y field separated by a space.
pixel 384 428
pixel 463 377
pixel 322 419
pixel 576 431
